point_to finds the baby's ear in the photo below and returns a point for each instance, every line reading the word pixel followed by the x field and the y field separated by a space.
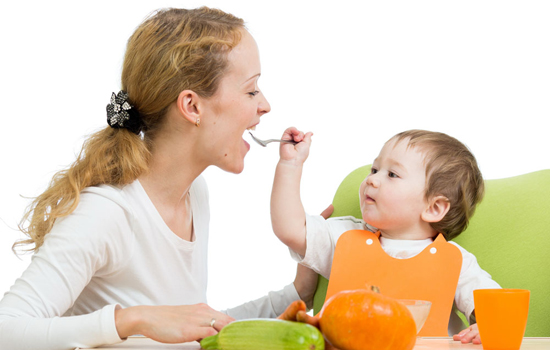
pixel 436 210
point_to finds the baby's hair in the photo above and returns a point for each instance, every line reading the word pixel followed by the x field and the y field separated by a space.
pixel 452 172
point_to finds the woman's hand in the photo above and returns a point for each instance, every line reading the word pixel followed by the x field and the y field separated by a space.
pixel 170 324
pixel 298 152
pixel 470 334
pixel 327 212
pixel 297 312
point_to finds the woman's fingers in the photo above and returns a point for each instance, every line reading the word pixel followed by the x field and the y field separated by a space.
pixel 203 332
pixel 178 324
pixel 220 320
pixel 327 212
pixel 290 313
pixel 303 317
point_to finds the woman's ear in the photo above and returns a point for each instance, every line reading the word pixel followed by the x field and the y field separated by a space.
pixel 188 106
pixel 437 209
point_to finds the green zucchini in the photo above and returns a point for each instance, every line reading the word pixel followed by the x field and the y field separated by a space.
pixel 266 334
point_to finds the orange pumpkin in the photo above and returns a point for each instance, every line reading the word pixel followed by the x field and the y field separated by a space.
pixel 362 319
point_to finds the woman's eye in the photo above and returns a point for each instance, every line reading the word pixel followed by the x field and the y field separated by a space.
pixel 254 93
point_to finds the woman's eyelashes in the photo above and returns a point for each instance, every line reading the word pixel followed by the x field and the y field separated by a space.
pixel 254 93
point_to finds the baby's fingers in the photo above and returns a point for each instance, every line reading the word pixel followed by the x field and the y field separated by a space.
pixel 467 336
pixel 290 133
pixel 307 137
pixel 294 134
pixel 477 339
pixel 459 336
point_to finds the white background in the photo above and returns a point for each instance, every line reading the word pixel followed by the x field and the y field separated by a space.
pixel 353 72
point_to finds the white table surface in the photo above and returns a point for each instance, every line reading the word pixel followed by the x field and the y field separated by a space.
pixel 142 343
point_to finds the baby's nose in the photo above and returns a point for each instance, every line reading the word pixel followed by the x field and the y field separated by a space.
pixel 373 181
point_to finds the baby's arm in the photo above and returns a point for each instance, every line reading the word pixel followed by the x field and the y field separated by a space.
pixel 288 216
pixel 472 277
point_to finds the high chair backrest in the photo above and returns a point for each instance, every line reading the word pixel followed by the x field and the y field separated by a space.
pixel 509 235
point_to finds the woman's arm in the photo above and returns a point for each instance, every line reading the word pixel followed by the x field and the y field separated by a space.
pixel 32 311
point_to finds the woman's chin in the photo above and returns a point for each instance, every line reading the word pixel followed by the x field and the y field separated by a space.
pixel 234 167
pixel 238 169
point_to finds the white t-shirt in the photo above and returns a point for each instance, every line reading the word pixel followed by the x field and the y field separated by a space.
pixel 322 236
pixel 113 249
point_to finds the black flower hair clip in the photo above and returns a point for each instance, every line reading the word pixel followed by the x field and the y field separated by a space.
pixel 121 114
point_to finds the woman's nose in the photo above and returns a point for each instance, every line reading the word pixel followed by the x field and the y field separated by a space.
pixel 264 106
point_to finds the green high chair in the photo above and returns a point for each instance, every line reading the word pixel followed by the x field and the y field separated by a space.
pixel 509 235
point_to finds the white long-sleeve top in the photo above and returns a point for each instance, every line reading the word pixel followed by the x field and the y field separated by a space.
pixel 114 249
pixel 322 236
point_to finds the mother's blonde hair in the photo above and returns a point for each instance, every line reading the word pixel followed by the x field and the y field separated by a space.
pixel 171 51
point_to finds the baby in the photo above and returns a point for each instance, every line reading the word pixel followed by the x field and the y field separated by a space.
pixel 421 184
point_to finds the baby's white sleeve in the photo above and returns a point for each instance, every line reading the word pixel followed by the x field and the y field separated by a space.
pixel 321 239
pixel 472 277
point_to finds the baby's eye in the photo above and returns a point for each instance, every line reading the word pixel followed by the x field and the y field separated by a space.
pixel 254 93
pixel 373 170
pixel 390 174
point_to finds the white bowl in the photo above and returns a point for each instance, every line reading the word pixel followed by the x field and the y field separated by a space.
pixel 420 309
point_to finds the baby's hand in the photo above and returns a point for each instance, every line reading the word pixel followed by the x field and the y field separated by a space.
pixel 298 152
pixel 470 334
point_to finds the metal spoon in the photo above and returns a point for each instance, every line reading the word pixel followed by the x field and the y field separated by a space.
pixel 265 142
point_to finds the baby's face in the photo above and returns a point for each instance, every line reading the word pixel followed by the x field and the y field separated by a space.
pixel 392 195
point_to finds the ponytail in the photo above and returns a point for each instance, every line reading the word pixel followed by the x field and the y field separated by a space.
pixel 110 156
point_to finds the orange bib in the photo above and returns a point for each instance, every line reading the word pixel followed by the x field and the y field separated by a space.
pixel 432 275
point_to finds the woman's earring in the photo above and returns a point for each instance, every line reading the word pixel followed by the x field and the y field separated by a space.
pixel 198 122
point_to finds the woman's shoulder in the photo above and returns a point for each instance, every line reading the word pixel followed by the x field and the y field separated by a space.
pixel 200 187
pixel 100 227
pixel 106 195
pixel 199 190
pixel 101 211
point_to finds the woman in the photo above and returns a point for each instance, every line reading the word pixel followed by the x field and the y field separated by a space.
pixel 120 237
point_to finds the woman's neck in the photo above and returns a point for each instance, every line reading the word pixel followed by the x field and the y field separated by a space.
pixel 167 184
pixel 170 176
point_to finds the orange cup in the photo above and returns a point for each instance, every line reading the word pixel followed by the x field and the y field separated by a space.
pixel 501 316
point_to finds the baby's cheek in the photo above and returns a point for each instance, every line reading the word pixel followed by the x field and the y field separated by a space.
pixel 362 190
pixel 362 197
